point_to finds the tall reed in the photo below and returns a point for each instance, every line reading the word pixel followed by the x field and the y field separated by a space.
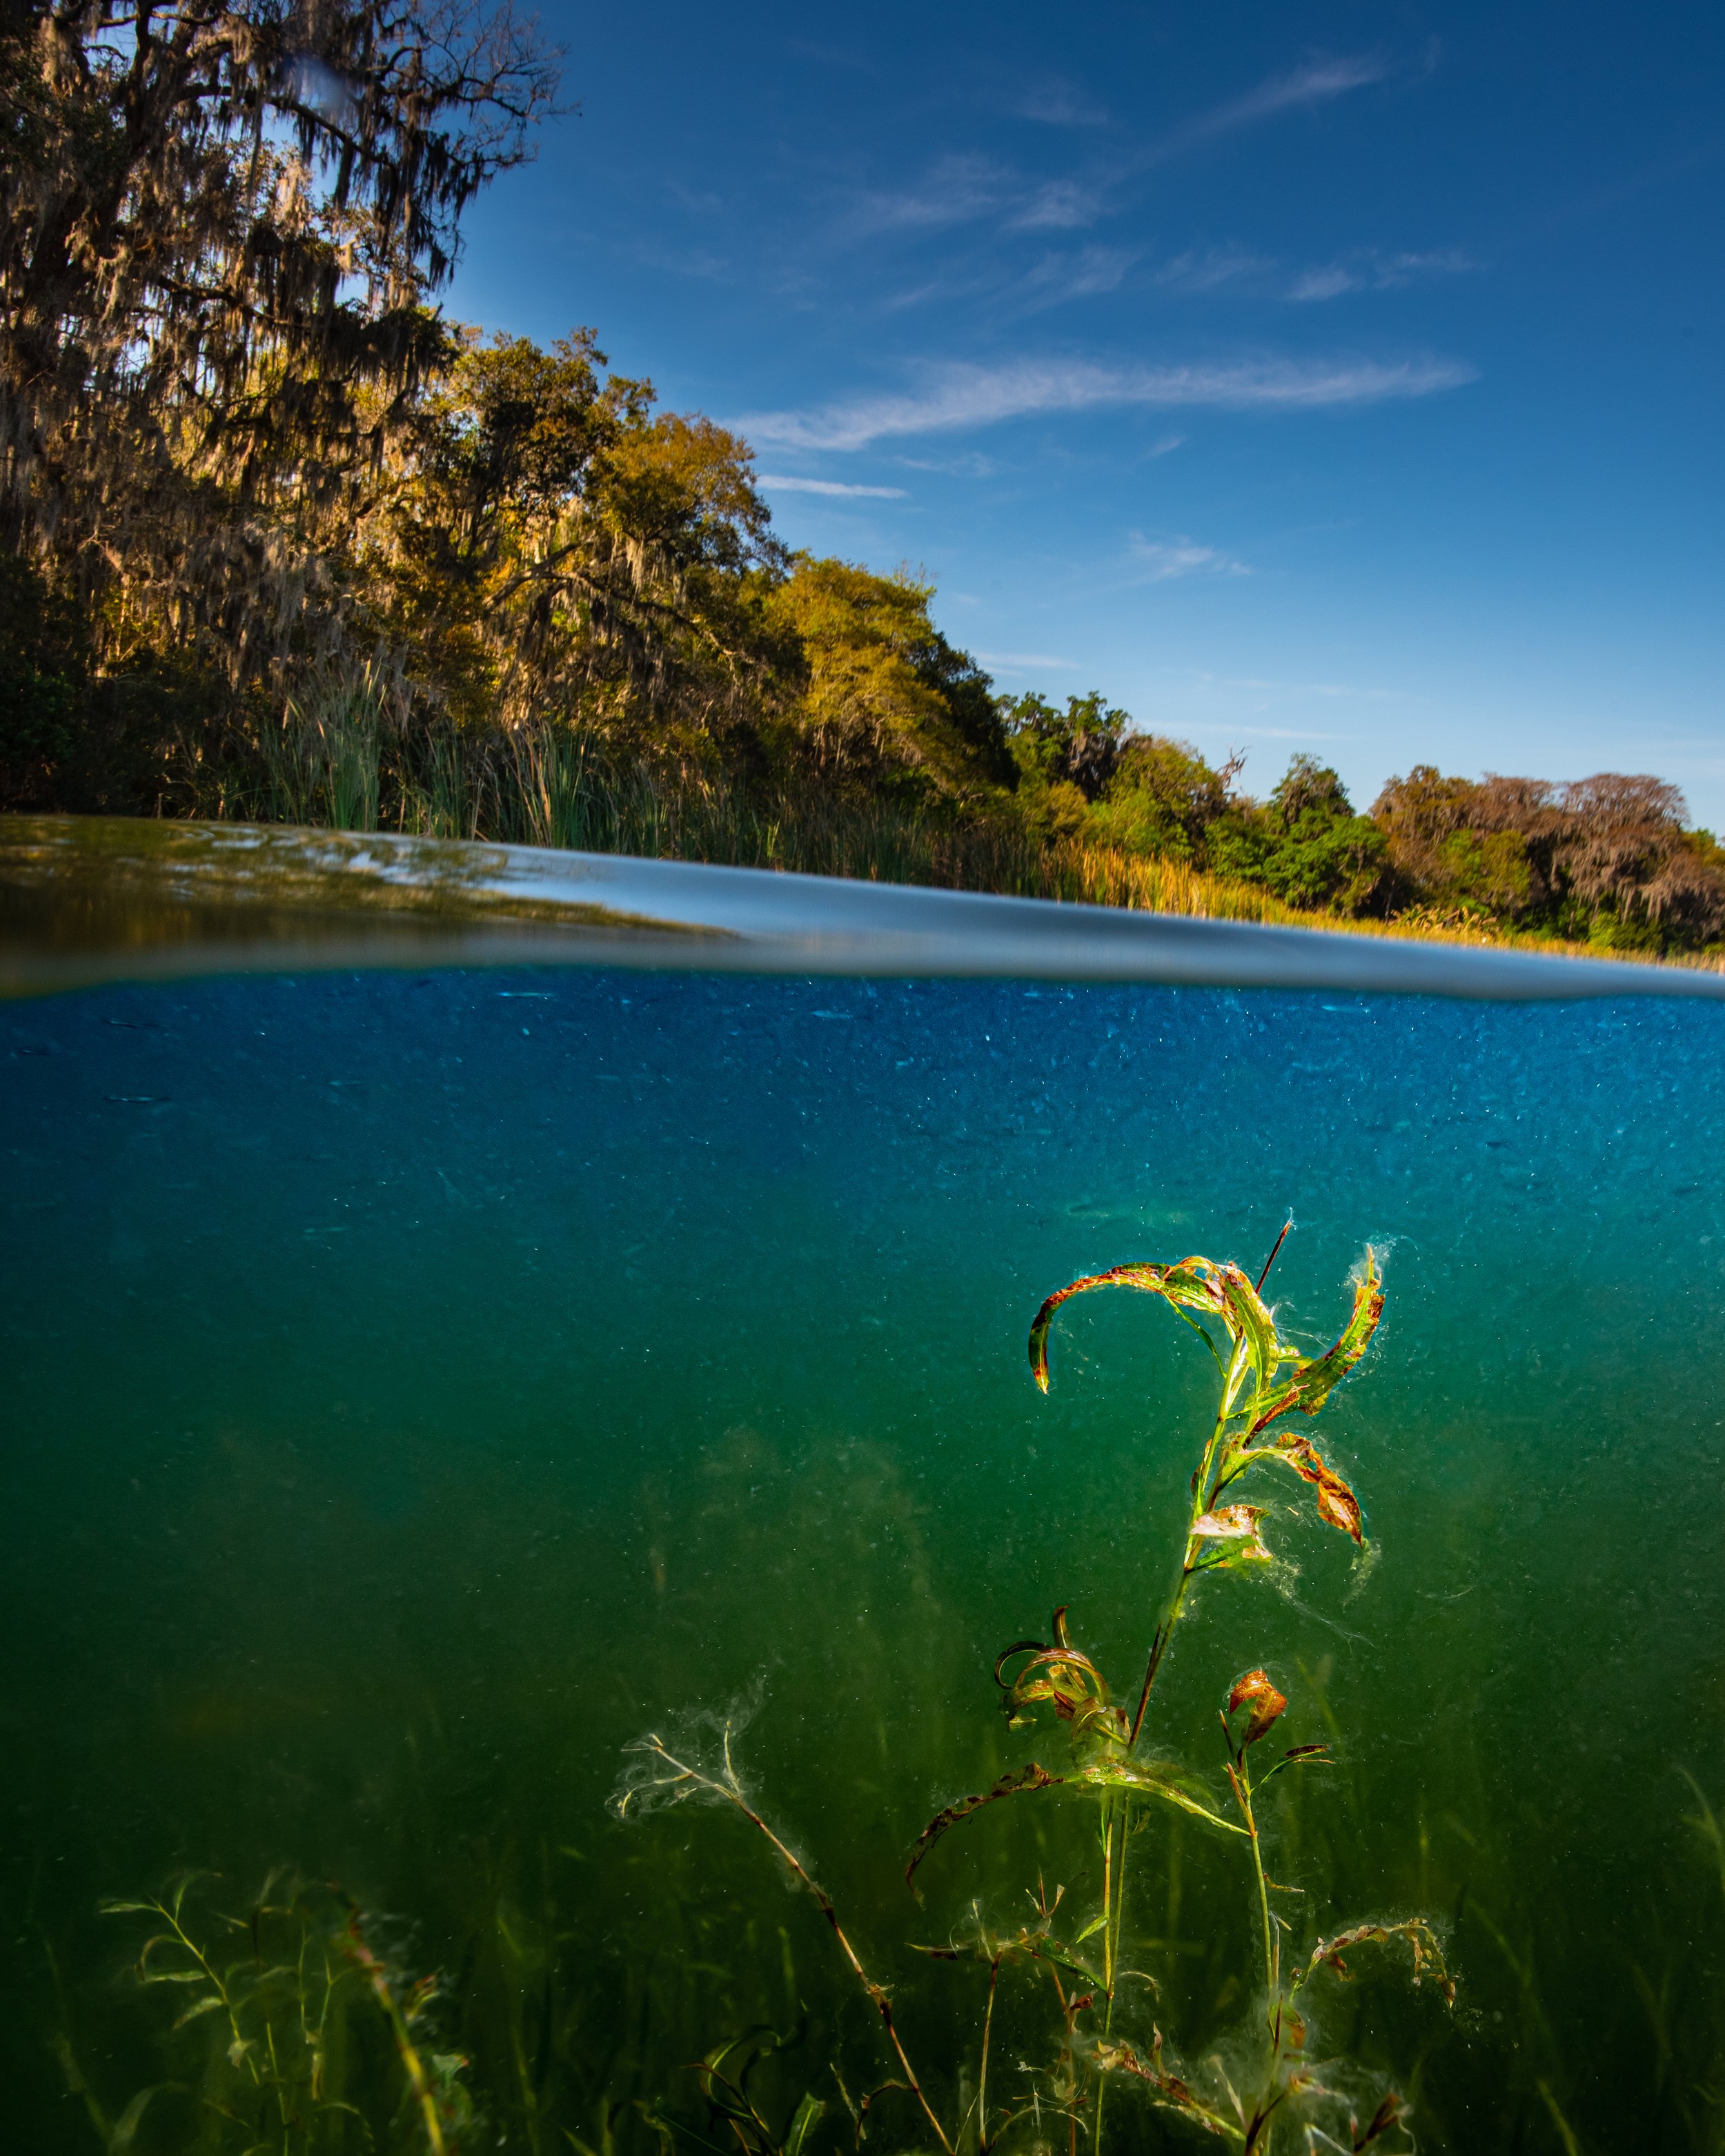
pixel 323 761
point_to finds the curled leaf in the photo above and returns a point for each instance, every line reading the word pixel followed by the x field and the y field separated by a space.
pixel 1336 1502
pixel 1195 1283
pixel 1313 1382
pixel 1256 1690
pixel 1229 1521
pixel 1152 1279
pixel 1236 1525
pixel 1428 1955
pixel 1031 1671
pixel 1030 1777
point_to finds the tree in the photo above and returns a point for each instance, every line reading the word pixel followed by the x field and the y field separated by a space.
pixel 1607 856
pixel 1162 799
pixel 220 227
pixel 887 698
pixel 1306 844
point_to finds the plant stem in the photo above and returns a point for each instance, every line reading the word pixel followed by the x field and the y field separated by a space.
pixel 1240 1775
pixel 1272 1954
pixel 1203 1495
pixel 378 1977
pixel 982 2079
pixel 240 2044
pixel 822 1901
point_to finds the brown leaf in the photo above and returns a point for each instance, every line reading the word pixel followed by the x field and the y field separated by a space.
pixel 1422 1941
pixel 1256 1690
pixel 1167 2089
pixel 1336 1502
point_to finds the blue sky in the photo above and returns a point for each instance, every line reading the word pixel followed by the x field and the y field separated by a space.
pixel 1336 377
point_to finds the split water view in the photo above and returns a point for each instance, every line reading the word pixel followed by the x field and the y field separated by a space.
pixel 862 1082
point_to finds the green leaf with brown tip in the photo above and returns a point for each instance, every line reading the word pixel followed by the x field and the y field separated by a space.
pixel 1313 1382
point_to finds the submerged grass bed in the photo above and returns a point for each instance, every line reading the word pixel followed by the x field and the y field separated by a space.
pixel 280 2012
pixel 424 1384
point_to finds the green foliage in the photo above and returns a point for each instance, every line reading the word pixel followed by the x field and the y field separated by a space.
pixel 1164 799
pixel 1306 844
pixel 876 705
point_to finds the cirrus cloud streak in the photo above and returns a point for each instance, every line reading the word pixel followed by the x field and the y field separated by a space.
pixel 967 395
pixel 786 484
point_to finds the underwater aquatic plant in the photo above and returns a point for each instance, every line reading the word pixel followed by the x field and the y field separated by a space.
pixel 298 1993
pixel 301 2038
pixel 1265 1380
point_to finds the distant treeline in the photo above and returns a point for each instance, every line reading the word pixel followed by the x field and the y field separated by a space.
pixel 278 541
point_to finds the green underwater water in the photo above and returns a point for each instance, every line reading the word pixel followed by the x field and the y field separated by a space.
pixel 419 1385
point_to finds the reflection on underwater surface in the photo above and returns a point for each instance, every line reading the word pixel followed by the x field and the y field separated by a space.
pixel 421 1384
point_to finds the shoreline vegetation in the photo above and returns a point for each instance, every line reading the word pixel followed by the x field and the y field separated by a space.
pixel 279 541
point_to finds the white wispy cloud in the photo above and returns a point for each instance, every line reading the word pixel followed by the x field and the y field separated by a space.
pixel 1208 268
pixel 1061 205
pixel 956 190
pixel 1314 84
pixel 967 395
pixel 1161 559
pixel 1059 103
pixel 1374 269
pixel 1057 278
pixel 965 186
pixel 788 485
pixel 1031 662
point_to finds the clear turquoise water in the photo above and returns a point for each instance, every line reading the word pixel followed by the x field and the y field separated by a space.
pixel 419 1384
